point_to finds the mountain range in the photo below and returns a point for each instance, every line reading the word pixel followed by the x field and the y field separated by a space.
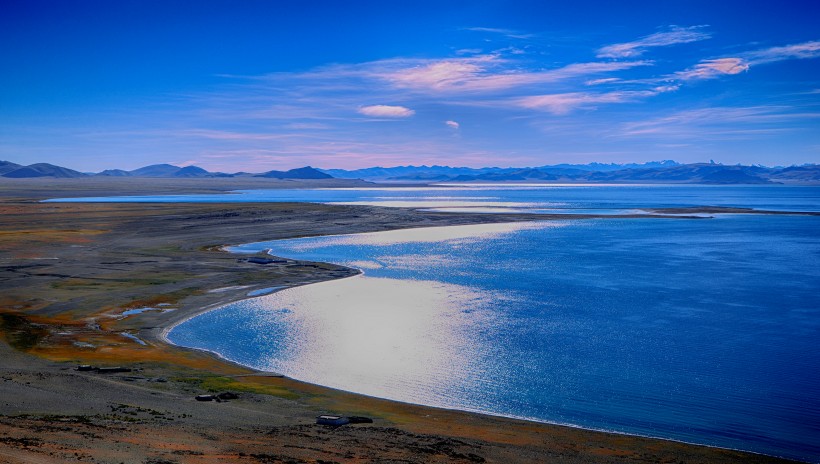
pixel 652 172
pixel 13 170
pixel 449 173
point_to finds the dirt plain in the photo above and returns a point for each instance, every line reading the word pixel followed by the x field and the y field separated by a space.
pixel 69 270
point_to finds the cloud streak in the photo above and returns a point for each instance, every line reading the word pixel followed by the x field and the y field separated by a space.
pixel 803 50
pixel 713 68
pixel 710 69
pixel 563 103
pixel 719 121
pixel 505 32
pixel 675 35
pixel 489 74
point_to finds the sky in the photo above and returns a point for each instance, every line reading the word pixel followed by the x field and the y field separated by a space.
pixel 258 85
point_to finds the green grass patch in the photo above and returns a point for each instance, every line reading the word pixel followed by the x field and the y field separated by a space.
pixel 217 383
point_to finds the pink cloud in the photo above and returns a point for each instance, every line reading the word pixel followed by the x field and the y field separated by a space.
pixel 562 103
pixel 386 111
pixel 709 69
pixel 481 74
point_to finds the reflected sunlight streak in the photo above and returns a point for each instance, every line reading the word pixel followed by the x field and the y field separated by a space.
pixel 419 235
pixel 379 336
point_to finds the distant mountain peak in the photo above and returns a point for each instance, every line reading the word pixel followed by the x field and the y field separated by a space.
pixel 192 171
pixel 113 173
pixel 42 170
pixel 8 166
pixel 306 172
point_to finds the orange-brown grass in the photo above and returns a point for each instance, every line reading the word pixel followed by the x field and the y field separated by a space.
pixel 62 338
pixel 114 349
pixel 8 303
pixel 165 298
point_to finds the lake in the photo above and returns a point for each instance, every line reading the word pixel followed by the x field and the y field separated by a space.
pixel 700 330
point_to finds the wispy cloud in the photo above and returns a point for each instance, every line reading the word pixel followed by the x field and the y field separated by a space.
pixel 228 135
pixel 563 103
pixel 468 51
pixel 606 80
pixel 452 124
pixel 386 111
pixel 489 74
pixel 505 32
pixel 712 68
pixel 307 126
pixel 675 35
pixel 709 69
pixel 721 121
pixel 439 75
pixel 789 52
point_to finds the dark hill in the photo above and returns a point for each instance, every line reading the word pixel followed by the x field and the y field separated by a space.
pixel 306 172
pixel 192 171
pixel 515 175
pixel 8 166
pixel 156 170
pixel 114 173
pixel 701 173
pixel 43 170
pixel 808 174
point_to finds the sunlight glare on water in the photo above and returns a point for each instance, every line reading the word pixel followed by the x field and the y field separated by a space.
pixel 418 235
pixel 386 337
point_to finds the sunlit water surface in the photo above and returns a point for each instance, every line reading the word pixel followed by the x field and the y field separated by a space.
pixel 699 330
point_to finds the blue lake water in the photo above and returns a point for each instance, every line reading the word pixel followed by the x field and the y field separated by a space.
pixel 521 197
pixel 701 330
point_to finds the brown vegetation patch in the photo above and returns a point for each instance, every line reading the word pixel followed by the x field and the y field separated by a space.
pixel 21 333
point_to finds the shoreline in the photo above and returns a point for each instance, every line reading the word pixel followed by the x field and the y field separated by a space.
pixel 134 240
pixel 361 272
pixel 441 408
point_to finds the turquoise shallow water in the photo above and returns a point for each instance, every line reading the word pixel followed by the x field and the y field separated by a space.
pixel 698 330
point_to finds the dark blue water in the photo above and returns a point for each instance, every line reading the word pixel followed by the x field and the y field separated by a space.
pixel 533 198
pixel 701 330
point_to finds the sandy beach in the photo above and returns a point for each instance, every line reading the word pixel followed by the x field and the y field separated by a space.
pixel 70 270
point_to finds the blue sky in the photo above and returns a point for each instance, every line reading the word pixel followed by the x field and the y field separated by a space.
pixel 259 85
